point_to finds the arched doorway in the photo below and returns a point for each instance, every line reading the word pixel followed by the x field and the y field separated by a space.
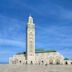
pixel 26 62
pixel 71 63
pixel 57 61
pixel 50 61
pixel 42 62
pixel 20 61
pixel 66 63
pixel 31 62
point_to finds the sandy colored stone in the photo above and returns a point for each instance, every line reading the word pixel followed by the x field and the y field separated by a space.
pixel 35 68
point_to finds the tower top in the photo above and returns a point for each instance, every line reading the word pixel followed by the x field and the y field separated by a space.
pixel 30 19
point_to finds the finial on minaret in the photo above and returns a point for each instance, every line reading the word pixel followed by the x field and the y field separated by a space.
pixel 30 19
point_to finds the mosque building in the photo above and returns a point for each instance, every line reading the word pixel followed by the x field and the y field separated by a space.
pixel 36 56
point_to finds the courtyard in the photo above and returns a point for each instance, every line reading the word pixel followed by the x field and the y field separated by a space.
pixel 35 68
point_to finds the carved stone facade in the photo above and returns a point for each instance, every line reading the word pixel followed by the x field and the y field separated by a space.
pixel 30 40
pixel 31 56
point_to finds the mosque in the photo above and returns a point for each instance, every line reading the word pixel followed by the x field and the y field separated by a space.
pixel 36 56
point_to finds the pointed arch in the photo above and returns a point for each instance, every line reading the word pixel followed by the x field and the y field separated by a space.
pixel 57 61
pixel 51 61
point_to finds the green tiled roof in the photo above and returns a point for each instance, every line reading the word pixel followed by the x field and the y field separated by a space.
pixel 21 53
pixel 44 51
pixel 38 51
pixel 66 59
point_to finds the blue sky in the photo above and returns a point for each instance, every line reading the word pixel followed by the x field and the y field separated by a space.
pixel 53 21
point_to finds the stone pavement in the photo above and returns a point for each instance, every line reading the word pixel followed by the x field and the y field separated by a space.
pixel 35 68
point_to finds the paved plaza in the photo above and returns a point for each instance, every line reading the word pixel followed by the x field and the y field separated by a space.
pixel 35 68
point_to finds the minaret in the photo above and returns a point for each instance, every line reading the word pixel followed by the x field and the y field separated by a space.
pixel 30 41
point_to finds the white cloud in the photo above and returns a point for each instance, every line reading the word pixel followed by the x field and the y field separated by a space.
pixel 5 52
pixel 12 28
pixel 60 36
pixel 12 43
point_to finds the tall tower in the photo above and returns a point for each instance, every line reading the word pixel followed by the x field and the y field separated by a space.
pixel 30 41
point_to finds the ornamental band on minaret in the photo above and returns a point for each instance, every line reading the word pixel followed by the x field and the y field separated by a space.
pixel 30 40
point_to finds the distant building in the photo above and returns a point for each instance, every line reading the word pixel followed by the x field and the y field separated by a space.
pixel 40 56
